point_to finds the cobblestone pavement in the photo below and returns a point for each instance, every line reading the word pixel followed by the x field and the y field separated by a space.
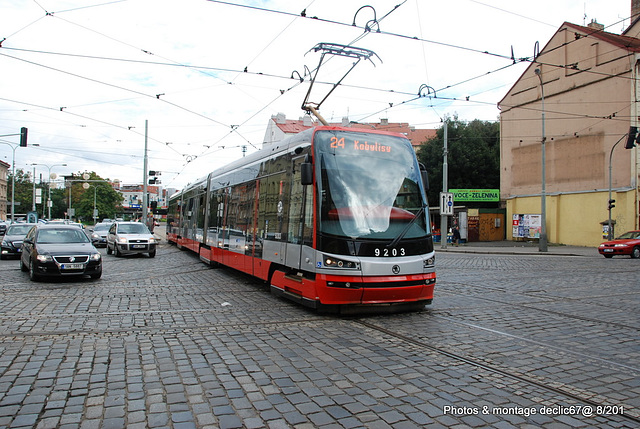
pixel 510 341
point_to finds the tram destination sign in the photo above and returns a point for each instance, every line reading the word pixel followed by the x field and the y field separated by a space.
pixel 476 195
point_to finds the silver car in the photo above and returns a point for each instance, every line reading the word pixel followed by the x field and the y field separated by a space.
pixel 126 238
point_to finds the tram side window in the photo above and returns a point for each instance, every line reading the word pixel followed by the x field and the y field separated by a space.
pixel 300 207
pixel 173 216
pixel 201 208
pixel 215 207
pixel 187 208
pixel 249 210
pixel 273 207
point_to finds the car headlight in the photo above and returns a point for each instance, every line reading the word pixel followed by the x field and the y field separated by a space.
pixel 331 262
pixel 44 258
pixel 122 240
pixel 94 235
pixel 152 240
pixel 5 243
pixel 95 257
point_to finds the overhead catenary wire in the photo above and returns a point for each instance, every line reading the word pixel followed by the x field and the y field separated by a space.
pixel 232 130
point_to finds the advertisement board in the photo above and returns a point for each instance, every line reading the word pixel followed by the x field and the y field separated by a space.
pixel 526 225
pixel 476 195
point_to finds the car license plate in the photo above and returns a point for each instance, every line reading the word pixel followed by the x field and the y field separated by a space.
pixel 139 246
pixel 608 250
pixel 72 266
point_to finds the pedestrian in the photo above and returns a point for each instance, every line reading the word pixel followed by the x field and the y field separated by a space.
pixel 151 222
pixel 456 235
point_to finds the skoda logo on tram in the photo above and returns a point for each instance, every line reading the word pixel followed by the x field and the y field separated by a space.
pixel 396 269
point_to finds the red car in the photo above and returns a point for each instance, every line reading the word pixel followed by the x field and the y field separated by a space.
pixel 627 244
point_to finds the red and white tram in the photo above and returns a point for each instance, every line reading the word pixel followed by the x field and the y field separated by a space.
pixel 332 216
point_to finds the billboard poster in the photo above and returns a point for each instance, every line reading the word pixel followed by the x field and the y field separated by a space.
pixel 526 225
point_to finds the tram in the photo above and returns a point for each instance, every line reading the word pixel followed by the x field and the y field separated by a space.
pixel 334 218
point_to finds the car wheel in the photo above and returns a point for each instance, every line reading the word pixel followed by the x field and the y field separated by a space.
pixel 32 272
pixel 152 254
pixel 96 276
pixel 116 250
pixel 635 252
pixel 108 250
pixel 23 267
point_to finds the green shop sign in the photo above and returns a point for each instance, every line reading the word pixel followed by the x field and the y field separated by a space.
pixel 475 195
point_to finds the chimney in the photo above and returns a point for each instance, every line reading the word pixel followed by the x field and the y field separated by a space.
pixel 595 26
pixel 635 10
pixel 281 118
pixel 306 121
pixel 384 122
pixel 345 121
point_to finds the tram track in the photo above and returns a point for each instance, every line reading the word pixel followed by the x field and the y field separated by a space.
pixel 596 404
pixel 536 342
pixel 543 310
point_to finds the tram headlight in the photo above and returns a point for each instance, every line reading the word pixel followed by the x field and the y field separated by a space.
pixel 430 262
pixel 331 262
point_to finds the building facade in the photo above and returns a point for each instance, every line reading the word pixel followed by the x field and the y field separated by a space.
pixel 280 127
pixel 4 189
pixel 132 195
pixel 580 97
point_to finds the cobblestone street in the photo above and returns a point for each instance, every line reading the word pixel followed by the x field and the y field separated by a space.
pixel 510 341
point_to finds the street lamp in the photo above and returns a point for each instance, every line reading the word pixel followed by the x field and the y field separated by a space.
pixel 13 181
pixel 23 143
pixel 95 193
pixel 542 243
pixel 49 167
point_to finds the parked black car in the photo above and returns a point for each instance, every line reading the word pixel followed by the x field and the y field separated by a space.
pixel 12 240
pixel 59 250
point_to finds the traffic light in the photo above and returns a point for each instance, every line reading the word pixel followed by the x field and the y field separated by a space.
pixel 23 137
pixel 153 181
pixel 632 138
pixel 611 204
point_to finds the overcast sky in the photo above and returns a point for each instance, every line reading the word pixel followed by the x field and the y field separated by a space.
pixel 84 75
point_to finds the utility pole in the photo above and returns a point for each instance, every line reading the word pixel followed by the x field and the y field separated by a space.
pixel 145 203
pixel 543 242
pixel 445 187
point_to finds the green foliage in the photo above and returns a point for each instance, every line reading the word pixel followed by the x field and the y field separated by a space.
pixel 107 200
pixel 473 156
pixel 99 192
pixel 24 192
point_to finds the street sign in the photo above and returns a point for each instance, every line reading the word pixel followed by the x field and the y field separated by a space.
pixel 446 203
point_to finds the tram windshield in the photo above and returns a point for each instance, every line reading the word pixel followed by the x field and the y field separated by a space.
pixel 369 186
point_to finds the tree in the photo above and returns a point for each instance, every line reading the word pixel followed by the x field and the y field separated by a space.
pixel 24 192
pixel 99 190
pixel 473 159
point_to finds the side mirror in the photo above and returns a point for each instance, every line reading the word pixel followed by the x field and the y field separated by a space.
pixel 28 241
pixel 425 176
pixel 306 173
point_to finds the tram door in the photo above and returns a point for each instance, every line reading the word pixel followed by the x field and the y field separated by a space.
pixel 299 226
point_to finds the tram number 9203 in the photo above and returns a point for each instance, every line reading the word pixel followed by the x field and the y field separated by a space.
pixel 389 252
